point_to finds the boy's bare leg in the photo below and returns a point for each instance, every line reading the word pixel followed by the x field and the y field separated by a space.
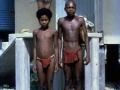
pixel 50 75
pixel 78 71
pixel 41 75
pixel 43 4
pixel 47 5
pixel 68 79
pixel 40 4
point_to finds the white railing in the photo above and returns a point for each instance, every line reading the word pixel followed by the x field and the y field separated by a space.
pixel 22 59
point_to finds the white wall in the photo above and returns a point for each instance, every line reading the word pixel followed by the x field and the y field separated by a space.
pixel 25 15
pixel 111 21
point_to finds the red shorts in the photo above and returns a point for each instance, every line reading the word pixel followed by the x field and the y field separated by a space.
pixel 70 56
pixel 45 61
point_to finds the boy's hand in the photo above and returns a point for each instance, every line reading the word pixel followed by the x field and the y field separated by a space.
pixel 34 69
pixel 87 60
pixel 61 64
pixel 56 67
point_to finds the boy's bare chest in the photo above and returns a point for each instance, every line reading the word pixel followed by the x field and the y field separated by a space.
pixel 71 26
pixel 44 35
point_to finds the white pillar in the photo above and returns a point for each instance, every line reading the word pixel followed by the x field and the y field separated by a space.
pixel 95 63
pixel 88 75
pixel 22 64
pixel 60 12
pixel 102 67
pixel 92 69
pixel 58 83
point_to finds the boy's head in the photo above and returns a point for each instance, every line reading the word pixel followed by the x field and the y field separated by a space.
pixel 44 11
pixel 70 7
pixel 70 1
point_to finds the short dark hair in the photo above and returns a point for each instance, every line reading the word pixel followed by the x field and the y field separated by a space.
pixel 68 1
pixel 44 11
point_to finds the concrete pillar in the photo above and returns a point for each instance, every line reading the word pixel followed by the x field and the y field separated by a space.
pixel 58 83
pixel 92 69
pixel 0 43
pixel 22 64
pixel 102 67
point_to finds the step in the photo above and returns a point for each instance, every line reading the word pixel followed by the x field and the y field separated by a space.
pixel 1 51
pixel 5 45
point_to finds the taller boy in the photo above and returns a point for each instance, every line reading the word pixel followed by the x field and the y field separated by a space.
pixel 70 27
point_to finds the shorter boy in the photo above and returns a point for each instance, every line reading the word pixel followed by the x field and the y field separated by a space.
pixel 45 50
pixel 44 3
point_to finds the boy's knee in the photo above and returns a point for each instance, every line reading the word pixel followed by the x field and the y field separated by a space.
pixel 67 82
pixel 78 81
pixel 49 84
pixel 41 86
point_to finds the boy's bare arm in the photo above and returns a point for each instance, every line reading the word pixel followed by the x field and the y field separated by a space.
pixel 60 42
pixel 34 50
pixel 86 42
pixel 56 50
pixel 56 46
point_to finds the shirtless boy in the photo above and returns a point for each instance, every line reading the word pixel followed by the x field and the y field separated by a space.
pixel 69 27
pixel 45 50
pixel 44 3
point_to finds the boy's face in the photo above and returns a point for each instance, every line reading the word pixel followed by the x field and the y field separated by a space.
pixel 70 9
pixel 44 21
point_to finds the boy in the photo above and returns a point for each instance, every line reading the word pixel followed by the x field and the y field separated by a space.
pixel 45 50
pixel 44 4
pixel 70 27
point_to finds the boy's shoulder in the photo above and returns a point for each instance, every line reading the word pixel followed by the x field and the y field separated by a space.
pixel 61 20
pixel 35 31
pixel 53 31
pixel 79 17
pixel 82 17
